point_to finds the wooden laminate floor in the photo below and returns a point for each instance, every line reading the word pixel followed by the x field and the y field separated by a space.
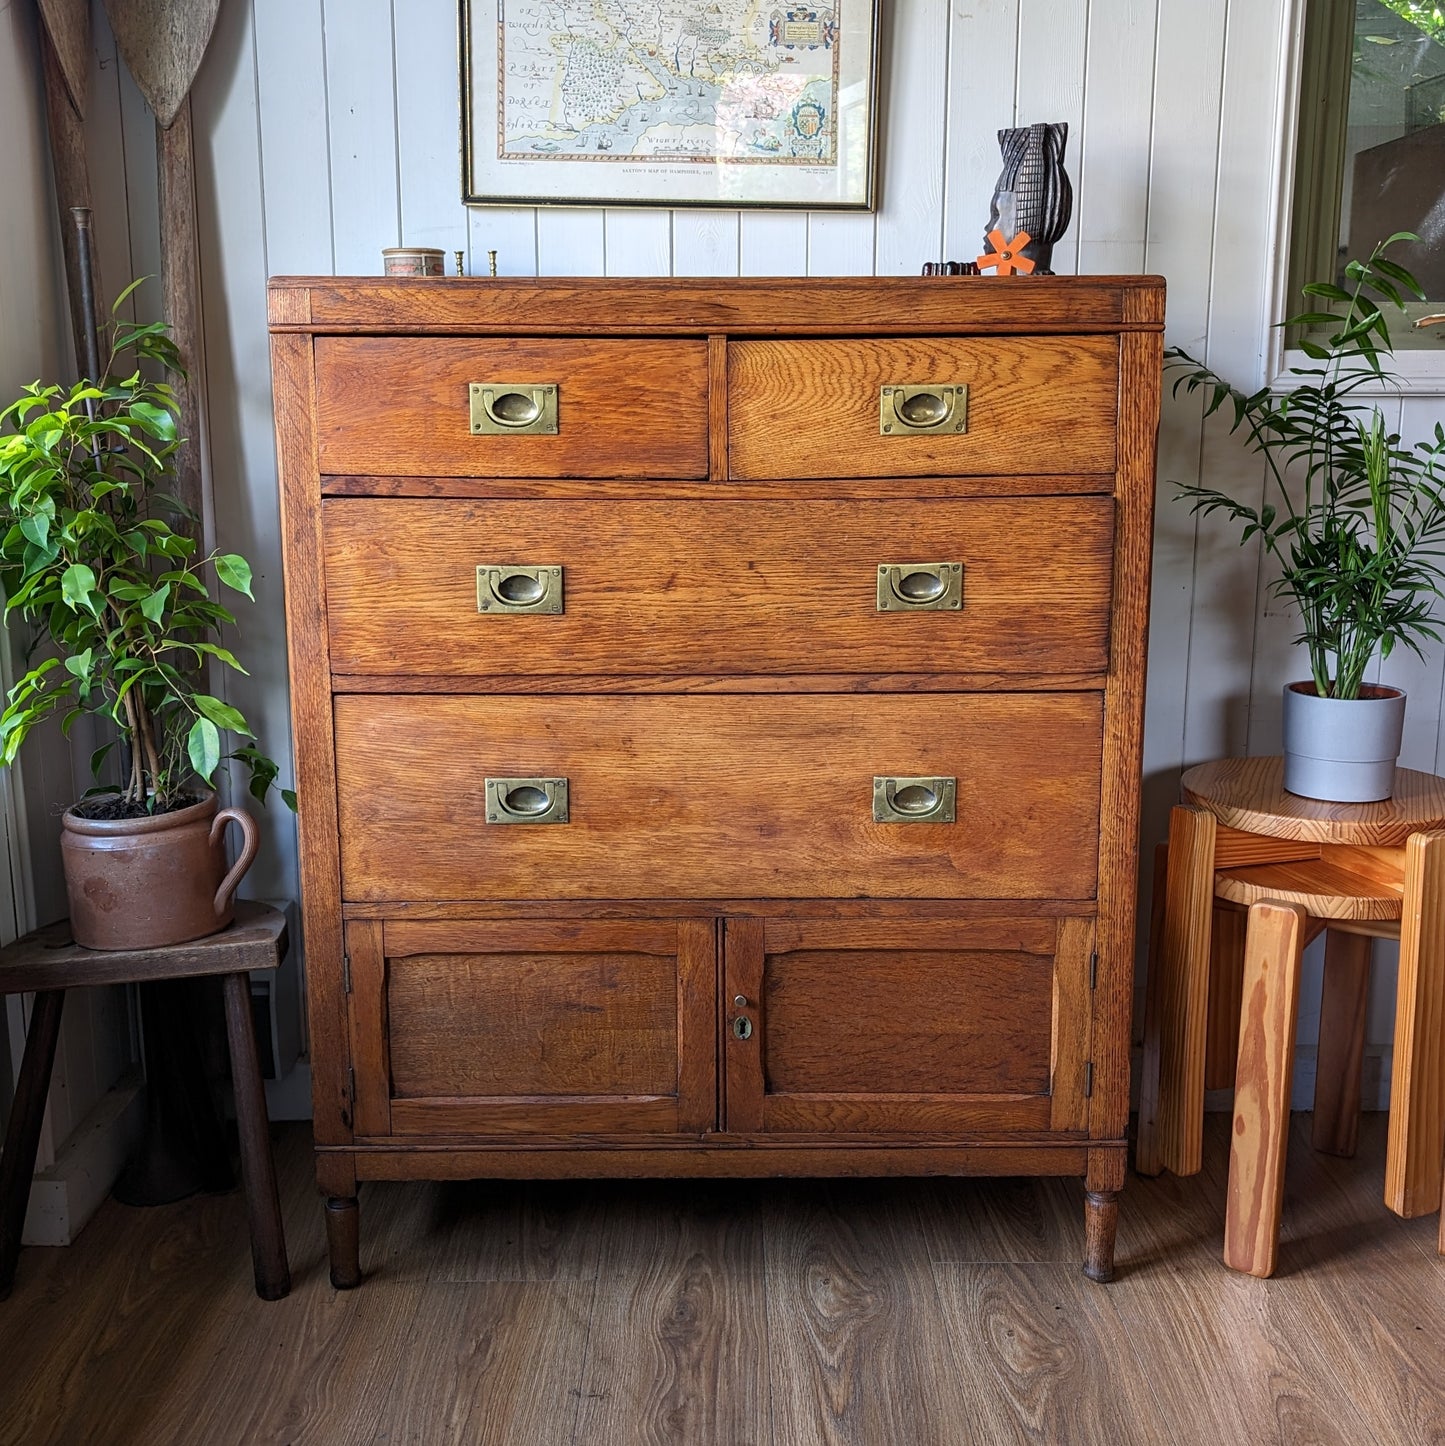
pixel 893 1313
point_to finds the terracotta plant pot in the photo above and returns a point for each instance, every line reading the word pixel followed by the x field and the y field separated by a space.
pixel 139 883
pixel 1342 750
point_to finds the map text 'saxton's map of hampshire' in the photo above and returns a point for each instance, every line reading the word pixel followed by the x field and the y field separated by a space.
pixel 737 81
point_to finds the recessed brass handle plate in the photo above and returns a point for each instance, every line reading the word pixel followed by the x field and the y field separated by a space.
pixel 522 408
pixel 504 588
pixel 915 409
pixel 914 800
pixel 920 587
pixel 526 800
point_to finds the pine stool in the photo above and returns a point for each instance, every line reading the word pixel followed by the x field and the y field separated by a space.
pixel 48 963
pixel 1299 866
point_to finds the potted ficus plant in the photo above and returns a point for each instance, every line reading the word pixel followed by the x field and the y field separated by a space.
pixel 1353 520
pixel 96 560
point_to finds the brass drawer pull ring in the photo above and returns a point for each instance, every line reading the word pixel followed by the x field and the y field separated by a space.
pixel 920 587
pixel 914 800
pixel 504 588
pixel 528 408
pixel 915 408
pixel 526 800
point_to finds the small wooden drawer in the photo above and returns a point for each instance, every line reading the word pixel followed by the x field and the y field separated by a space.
pixel 402 407
pixel 728 797
pixel 497 1027
pixel 926 1026
pixel 721 587
pixel 817 408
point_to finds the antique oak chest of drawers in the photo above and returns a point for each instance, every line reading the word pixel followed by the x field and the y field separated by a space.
pixel 717 710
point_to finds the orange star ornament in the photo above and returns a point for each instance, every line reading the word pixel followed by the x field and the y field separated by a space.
pixel 1005 259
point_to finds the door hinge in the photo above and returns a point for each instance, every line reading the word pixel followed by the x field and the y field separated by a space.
pixel 346 973
pixel 1093 970
pixel 1088 1079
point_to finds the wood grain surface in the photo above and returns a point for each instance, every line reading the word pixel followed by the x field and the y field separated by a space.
pixel 1248 794
pixel 1140 371
pixel 810 408
pixel 392 405
pixel 1417 1075
pixel 504 1028
pixel 696 306
pixel 1267 1023
pixel 1344 1001
pixel 1183 997
pixel 669 588
pixel 701 797
pixel 309 669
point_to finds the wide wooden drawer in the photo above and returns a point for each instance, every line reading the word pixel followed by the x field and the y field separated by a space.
pixel 734 797
pixel 401 407
pixel 719 587
pixel 533 1026
pixel 812 408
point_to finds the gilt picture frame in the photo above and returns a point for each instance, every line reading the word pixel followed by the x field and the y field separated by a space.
pixel 669 103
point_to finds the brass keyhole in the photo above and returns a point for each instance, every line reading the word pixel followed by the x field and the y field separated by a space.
pixel 742 1027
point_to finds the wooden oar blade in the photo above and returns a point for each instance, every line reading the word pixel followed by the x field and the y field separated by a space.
pixel 162 42
pixel 67 22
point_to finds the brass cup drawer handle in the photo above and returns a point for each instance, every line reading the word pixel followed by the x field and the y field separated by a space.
pixel 912 409
pixel 526 800
pixel 920 587
pixel 914 800
pixel 520 408
pixel 507 588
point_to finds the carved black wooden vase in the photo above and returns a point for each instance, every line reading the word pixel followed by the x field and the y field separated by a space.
pixel 1033 192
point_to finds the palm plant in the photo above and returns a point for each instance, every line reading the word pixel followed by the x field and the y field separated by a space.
pixel 1354 520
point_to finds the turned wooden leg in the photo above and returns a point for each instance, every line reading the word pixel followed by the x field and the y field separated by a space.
pixel 1184 988
pixel 343 1242
pixel 1336 1129
pixel 1267 1022
pixel 1416 1148
pixel 22 1137
pixel 1101 1223
pixel 1146 1145
pixel 258 1168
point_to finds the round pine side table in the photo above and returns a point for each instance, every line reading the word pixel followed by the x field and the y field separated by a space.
pixel 1242 851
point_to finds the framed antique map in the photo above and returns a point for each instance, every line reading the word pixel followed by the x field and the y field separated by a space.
pixel 669 102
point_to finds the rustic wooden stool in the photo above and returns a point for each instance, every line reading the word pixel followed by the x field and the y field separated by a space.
pixel 1299 866
pixel 49 963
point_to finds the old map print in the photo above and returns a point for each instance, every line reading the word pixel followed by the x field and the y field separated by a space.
pixel 669 81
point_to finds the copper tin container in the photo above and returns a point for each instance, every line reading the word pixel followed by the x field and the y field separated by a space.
pixel 413 261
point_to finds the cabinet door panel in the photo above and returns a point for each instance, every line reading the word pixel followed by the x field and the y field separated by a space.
pixel 547 1027
pixel 932 1026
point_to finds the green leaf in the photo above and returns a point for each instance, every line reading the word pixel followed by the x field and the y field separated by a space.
pixel 76 585
pixel 214 650
pixel 155 605
pixel 79 665
pixel 288 797
pixel 221 714
pixel 203 745
pixel 37 528
pixel 235 572
pixel 156 420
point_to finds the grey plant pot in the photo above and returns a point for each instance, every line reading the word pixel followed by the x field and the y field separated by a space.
pixel 1342 750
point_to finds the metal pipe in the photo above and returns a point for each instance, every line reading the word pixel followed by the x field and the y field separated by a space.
pixel 83 239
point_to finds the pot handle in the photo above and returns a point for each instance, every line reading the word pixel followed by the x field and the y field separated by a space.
pixel 250 843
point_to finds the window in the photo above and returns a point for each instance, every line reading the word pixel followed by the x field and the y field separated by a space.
pixel 1371 146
